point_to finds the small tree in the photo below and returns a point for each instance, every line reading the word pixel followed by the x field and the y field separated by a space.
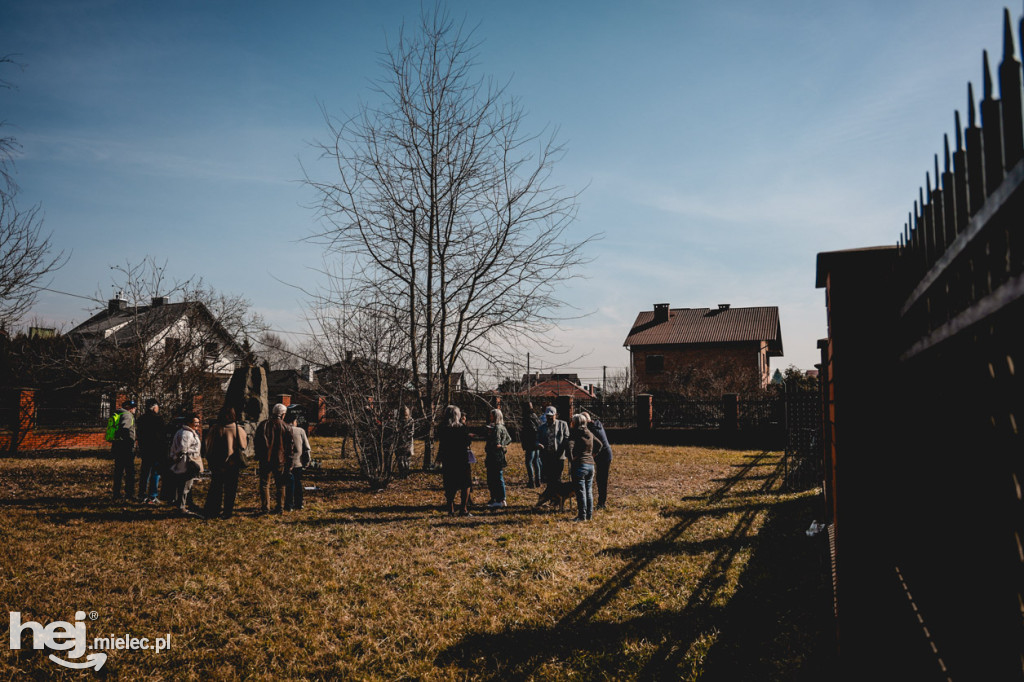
pixel 368 384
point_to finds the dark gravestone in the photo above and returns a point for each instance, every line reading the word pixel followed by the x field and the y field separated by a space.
pixel 247 393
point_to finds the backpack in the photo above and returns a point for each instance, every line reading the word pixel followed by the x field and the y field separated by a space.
pixel 112 425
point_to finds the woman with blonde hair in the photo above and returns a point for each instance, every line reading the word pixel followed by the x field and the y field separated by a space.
pixel 453 444
pixel 581 466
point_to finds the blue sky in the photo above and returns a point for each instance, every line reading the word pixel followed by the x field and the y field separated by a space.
pixel 722 144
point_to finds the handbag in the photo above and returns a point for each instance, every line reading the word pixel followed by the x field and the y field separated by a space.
pixel 238 455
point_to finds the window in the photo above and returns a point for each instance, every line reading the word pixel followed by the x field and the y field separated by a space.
pixel 211 351
pixel 172 345
pixel 654 364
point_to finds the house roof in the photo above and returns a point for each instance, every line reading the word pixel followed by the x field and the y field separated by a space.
pixel 706 325
pixel 144 322
pixel 538 377
pixel 557 387
pixel 290 381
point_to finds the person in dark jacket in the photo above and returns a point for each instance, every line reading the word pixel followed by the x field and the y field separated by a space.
pixel 274 455
pixel 226 442
pixel 152 435
pixel 123 451
pixel 496 447
pixel 581 466
pixel 552 441
pixel 528 438
pixel 454 443
pixel 602 458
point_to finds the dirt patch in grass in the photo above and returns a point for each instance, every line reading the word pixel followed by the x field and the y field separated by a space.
pixel 699 569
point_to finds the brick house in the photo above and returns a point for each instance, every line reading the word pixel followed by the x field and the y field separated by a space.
pixel 704 350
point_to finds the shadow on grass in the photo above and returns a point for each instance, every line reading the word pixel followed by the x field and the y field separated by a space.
pixel 770 629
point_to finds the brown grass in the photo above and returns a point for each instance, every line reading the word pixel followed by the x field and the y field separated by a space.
pixel 699 570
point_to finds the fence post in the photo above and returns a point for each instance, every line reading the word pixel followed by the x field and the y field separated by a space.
pixel 26 420
pixel 563 404
pixel 730 410
pixel 645 411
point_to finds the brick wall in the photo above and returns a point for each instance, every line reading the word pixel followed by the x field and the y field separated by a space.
pixel 56 440
pixel 731 368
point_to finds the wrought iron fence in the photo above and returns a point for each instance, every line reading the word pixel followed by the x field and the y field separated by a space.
pixel 677 411
pixel 617 412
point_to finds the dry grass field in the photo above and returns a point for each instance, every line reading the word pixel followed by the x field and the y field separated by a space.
pixel 699 570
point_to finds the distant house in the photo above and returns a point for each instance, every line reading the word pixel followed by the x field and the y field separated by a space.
pixel 300 385
pixel 535 378
pixel 704 350
pixel 553 388
pixel 456 381
pixel 186 332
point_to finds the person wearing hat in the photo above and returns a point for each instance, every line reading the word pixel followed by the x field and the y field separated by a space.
pixel 123 450
pixel 552 441
pixel 273 444
pixel 152 434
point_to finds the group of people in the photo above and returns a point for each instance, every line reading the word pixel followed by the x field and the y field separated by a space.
pixel 281 451
pixel 169 470
pixel 549 444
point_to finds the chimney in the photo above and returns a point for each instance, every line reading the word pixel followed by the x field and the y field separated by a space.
pixel 159 301
pixel 306 372
pixel 660 312
pixel 116 305
pixel 723 306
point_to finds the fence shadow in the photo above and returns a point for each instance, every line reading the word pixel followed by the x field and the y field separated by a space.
pixel 775 572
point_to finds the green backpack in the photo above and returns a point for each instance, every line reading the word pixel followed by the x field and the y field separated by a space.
pixel 112 425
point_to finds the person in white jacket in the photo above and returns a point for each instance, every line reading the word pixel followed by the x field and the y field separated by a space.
pixel 186 460
pixel 300 459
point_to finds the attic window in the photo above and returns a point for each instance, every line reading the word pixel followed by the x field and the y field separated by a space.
pixel 172 345
pixel 654 364
pixel 211 351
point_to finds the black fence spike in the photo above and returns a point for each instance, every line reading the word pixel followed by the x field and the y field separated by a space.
pixel 1010 95
pixel 959 132
pixel 1008 47
pixel 928 183
pixel 986 74
pixel 971 120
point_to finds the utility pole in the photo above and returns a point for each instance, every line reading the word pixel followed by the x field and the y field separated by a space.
pixel 528 382
pixel 604 379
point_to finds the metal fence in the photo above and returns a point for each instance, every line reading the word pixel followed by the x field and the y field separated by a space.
pixel 803 460
pixel 618 412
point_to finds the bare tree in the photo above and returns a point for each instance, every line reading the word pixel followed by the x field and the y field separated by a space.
pixel 276 350
pixel 444 210
pixel 26 254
